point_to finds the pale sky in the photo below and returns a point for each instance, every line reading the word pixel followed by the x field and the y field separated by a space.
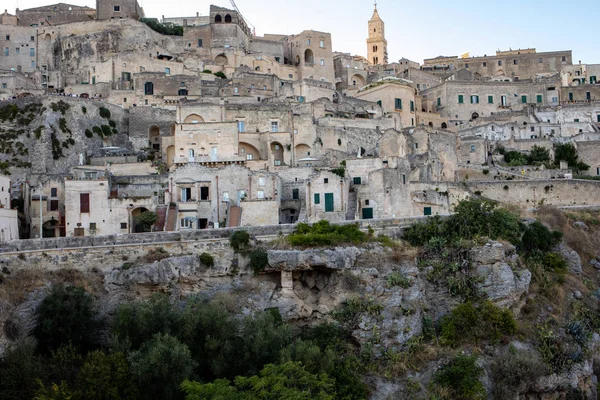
pixel 414 29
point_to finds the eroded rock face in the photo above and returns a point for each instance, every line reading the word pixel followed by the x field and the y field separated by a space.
pixel 571 257
pixel 294 260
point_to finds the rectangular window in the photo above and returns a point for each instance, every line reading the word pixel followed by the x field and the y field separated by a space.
pixel 123 225
pixel 308 42
pixel 357 180
pixel 84 203
pixel 117 8
pixel 325 180
pixel 168 71
pixel 241 126
pixel 461 99
pixel 322 44
pixel 588 96
pixel 31 52
pixel 149 88
pixel 412 106
pixel 199 42
pixel 7 37
pixel 329 202
pixel 538 98
pixel 439 101
pixel 598 117
pixel 18 50
pixel 593 80
pixel 474 99
pixel 524 99
pixel 472 148
pixel 398 104
pixel 576 120
pixel 4 85
pixel 540 60
pixel 54 192
pixel 515 62
pixel 6 51
pixel 570 96
pixel 598 171
pixel 260 194
pixel 379 103
pixel 485 64
pixel 32 64
pixel 204 190
pixel 490 99
pixel 295 194
pixel 274 126
pixel 92 226
pixel 317 198
pixel 53 205
pixel 322 61
pixel 427 211
pixel 499 63
pixel 79 232
pixel 403 179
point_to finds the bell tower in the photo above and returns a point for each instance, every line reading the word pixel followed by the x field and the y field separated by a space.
pixel 376 43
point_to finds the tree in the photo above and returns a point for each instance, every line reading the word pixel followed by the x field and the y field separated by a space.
pixel 286 381
pixel 54 392
pixel 538 156
pixel 137 322
pixel 21 370
pixel 160 366
pixel 105 377
pixel 66 315
pixel 567 152
pixel 145 220
pixel 461 377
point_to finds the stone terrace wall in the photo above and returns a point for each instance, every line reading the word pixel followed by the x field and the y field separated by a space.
pixel 391 227
pixel 556 192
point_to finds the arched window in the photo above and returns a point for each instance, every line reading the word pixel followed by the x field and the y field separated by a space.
pixel 218 19
pixel 444 125
pixel 374 48
pixel 228 19
pixel 309 57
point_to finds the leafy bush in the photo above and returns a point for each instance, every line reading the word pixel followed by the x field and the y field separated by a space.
pixel 161 28
pixel 221 75
pixel 104 112
pixel 515 158
pixel 84 109
pixel 240 240
pixel 567 152
pixel 259 260
pixel 554 262
pixel 398 279
pixel 467 323
pixel 106 131
pixel 539 238
pixel 66 315
pixel 207 71
pixel 515 371
pixel 97 130
pixel 207 260
pixel 145 221
pixel 323 233
pixel 89 133
pixel 112 123
pixel 353 309
pixel 60 106
pixel 461 377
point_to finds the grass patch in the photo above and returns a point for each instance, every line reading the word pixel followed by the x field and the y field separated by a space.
pixel 323 233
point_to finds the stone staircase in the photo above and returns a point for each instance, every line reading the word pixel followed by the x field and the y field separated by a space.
pixel 161 213
pixel 171 219
pixel 352 206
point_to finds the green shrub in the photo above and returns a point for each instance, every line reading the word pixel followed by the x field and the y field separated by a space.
pixel 323 233
pixel 467 323
pixel 38 131
pixel 486 171
pixel 104 112
pixel 66 315
pixel 514 372
pixel 259 260
pixel 461 377
pixel 89 133
pixel 97 130
pixel 352 310
pixel 554 262
pixel 207 71
pixel 398 279
pixel 84 109
pixel 62 123
pixel 112 123
pixel 240 240
pixel 207 260
pixel 156 26
pixel 539 238
pixel 106 131
pixel 220 75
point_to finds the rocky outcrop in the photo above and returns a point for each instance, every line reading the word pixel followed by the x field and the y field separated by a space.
pixel 339 258
pixel 499 281
pixel 570 256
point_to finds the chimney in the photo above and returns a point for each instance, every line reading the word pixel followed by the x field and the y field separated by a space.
pixel 197 14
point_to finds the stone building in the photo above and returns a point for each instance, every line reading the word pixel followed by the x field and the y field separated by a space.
pixel 327 197
pixel 589 153
pixel 350 72
pixel 376 43
pixel 8 19
pixel 196 20
pixel 118 9
pixel 312 53
pixel 55 14
pixel 18 47
pixel 9 221
pixel 512 64
pixel 53 208
pixel 395 96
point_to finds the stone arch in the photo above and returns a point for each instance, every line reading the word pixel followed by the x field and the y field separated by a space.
pixel 358 80
pixel 303 151
pixel 228 19
pixel 193 119
pixel 474 116
pixel 444 125
pixel 297 60
pixel 135 213
pixel 309 56
pixel 221 59
pixel 277 153
pixel 249 151
pixel 374 48
pixel 154 137
pixel 430 124
pixel 218 19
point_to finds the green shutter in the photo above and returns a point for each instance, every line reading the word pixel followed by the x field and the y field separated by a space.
pixel 439 101
pixel 524 99
pixel 491 99
pixel 367 213
pixel 412 105
pixel 427 211
pixel 461 99
pixel 379 103
pixel 398 104
pixel 598 117
pixel 357 180
pixel 328 202
pixel 539 98
pixel 570 96
pixel 317 198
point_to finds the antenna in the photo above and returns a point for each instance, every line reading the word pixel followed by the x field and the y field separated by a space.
pixel 240 14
